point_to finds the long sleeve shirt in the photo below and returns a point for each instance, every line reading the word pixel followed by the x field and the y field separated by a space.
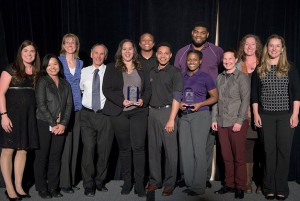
pixel 234 99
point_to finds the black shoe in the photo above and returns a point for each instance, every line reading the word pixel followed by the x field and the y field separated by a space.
pixel 101 187
pixel 208 184
pixel 67 190
pixel 181 183
pixel 225 189
pixel 186 190
pixel 270 196
pixel 90 192
pixel 193 193
pixel 126 188
pixel 280 197
pixel 75 188
pixel 239 193
pixel 55 193
pixel 26 196
pixel 45 194
pixel 139 190
pixel 12 199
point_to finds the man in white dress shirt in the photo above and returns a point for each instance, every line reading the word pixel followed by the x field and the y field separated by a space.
pixel 96 130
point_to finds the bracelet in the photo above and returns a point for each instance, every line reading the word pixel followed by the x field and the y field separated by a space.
pixel 3 113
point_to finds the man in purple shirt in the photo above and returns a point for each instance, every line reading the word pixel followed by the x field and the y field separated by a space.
pixel 194 124
pixel 211 64
pixel 212 55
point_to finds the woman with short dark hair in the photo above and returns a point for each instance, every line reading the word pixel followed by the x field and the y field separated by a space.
pixel 54 105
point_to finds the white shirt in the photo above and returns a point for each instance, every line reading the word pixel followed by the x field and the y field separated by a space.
pixel 86 85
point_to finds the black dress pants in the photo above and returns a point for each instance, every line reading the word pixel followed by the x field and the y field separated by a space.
pixel 278 138
pixel 96 134
pixel 130 129
pixel 70 152
pixel 48 158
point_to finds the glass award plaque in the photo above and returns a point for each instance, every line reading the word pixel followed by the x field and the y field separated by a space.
pixel 133 94
pixel 189 98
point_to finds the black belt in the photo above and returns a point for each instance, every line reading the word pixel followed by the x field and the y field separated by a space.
pixel 187 112
pixel 90 110
pixel 160 107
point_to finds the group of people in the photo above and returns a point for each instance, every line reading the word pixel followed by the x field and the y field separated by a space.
pixel 49 106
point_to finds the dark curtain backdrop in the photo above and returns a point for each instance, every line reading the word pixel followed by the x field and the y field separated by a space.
pixel 110 21
pixel 107 21
pixel 263 18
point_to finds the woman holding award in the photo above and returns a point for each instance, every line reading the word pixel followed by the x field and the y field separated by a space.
pixel 126 87
pixel 195 121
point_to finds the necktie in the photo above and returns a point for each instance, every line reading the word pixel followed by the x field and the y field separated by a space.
pixel 96 105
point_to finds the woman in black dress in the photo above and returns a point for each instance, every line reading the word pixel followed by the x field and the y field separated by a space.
pixel 18 122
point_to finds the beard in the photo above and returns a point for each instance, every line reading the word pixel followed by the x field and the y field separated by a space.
pixel 198 44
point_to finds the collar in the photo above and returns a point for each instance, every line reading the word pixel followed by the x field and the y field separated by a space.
pixel 168 66
pixel 185 74
pixel 234 72
pixel 206 45
pixel 152 56
pixel 101 68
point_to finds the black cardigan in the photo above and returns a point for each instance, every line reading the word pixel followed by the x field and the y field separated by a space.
pixel 294 89
pixel 113 90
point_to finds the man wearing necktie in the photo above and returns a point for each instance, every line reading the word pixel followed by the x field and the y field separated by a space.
pixel 96 130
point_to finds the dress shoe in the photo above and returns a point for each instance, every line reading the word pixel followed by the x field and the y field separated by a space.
pixel 181 183
pixel 208 184
pixel 167 192
pixel 67 190
pixel 55 193
pixel 225 189
pixel 258 190
pixel 270 196
pixel 152 187
pixel 90 192
pixel 193 193
pixel 25 196
pixel 280 197
pixel 239 193
pixel 45 194
pixel 139 190
pixel 126 188
pixel 186 190
pixel 75 188
pixel 12 199
pixel 101 187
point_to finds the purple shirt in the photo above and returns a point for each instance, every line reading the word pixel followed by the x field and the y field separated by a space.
pixel 211 61
pixel 200 83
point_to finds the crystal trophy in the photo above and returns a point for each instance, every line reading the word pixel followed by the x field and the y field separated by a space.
pixel 133 94
pixel 189 98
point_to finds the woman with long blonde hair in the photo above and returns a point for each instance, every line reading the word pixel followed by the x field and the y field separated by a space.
pixel 275 97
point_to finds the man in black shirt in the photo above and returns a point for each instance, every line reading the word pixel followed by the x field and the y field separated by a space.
pixel 167 83
pixel 147 56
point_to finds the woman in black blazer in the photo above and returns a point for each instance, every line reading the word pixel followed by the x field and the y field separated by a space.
pixel 128 117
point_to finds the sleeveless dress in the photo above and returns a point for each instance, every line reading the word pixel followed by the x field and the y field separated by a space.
pixel 20 106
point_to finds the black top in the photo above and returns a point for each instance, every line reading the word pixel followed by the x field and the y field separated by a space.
pixel 20 106
pixel 293 89
pixel 167 84
pixel 113 90
pixel 148 64
pixel 53 101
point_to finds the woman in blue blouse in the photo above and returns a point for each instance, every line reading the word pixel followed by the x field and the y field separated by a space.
pixel 72 66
